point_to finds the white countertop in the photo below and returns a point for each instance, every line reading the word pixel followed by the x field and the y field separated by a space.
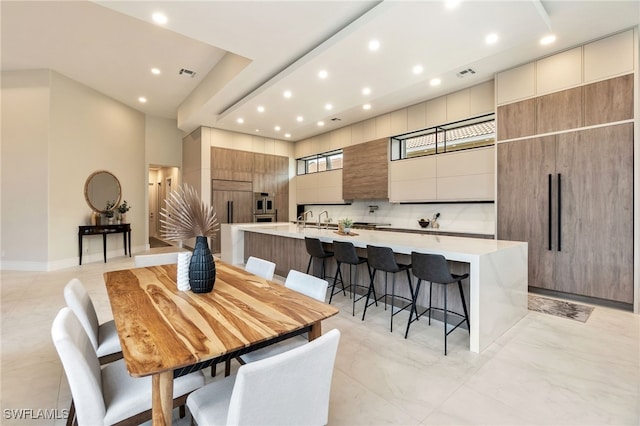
pixel 453 248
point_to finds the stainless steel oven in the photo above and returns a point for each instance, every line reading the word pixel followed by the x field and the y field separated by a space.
pixel 264 218
pixel 263 203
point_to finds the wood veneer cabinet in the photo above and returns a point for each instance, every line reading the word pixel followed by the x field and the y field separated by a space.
pixel 517 120
pixel 231 164
pixel 559 111
pixel 608 101
pixel 570 196
pixel 365 171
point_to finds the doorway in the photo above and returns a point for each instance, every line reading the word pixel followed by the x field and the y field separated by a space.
pixel 162 180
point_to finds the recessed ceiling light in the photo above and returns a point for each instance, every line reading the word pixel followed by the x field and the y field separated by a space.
pixel 260 108
pixel 548 39
pixel 366 106
pixel 328 107
pixel 299 119
pixel 374 45
pixel 240 120
pixel 320 123
pixel 159 18
pixel 435 82
pixel 417 69
pixel 287 94
pixel 257 130
pixel 451 4
pixel 277 128
pixel 155 71
pixel 366 91
pixel 491 38
pixel 142 99
pixel 323 74
pixel 287 135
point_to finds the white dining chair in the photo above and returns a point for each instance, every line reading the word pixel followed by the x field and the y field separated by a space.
pixel 303 283
pixel 260 267
pixel 103 337
pixel 142 260
pixel 291 388
pixel 107 395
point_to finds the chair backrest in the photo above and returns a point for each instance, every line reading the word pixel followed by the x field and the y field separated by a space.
pixel 155 259
pixel 78 300
pixel 345 251
pixel 431 267
pixel 314 247
pixel 382 259
pixel 81 366
pixel 260 267
pixel 291 388
pixel 307 284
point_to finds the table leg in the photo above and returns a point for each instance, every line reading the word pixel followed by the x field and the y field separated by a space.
pixel 316 331
pixel 129 236
pixel 104 246
pixel 124 242
pixel 80 247
pixel 162 398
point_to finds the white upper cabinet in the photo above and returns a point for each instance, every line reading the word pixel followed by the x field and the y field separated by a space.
pixel 456 176
pixel 558 72
pixel 608 57
pixel 318 188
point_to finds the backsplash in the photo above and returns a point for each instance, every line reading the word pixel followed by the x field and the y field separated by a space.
pixel 477 218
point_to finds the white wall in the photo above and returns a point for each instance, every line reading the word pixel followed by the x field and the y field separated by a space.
pixel 55 134
pixel 25 168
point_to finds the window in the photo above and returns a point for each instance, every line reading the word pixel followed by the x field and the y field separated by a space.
pixel 320 162
pixel 466 134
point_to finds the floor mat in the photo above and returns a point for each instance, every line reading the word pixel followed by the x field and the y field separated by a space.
pixel 560 308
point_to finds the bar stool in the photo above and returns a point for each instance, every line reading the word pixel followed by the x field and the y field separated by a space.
pixel 345 252
pixel 315 249
pixel 434 268
pixel 383 259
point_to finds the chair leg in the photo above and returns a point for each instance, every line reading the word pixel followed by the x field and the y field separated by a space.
pixel 445 319
pixel 309 265
pixel 183 411
pixel 366 303
pixel 430 298
pixel 335 280
pixel 414 308
pixel 464 305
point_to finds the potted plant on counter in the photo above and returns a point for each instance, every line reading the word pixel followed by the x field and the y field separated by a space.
pixel 185 217
pixel 346 225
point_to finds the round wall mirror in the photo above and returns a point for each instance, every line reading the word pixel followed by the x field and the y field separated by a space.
pixel 100 188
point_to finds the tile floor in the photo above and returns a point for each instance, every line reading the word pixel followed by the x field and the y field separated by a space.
pixel 544 371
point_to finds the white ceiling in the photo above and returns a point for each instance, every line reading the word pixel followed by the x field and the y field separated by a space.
pixel 246 53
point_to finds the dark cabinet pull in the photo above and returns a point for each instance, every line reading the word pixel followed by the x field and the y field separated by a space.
pixel 550 212
pixel 229 211
pixel 559 213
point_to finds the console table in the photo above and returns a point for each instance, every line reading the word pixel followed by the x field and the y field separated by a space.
pixel 104 230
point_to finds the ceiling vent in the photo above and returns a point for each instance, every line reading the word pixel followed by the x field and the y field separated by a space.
pixel 336 119
pixel 187 72
pixel 466 73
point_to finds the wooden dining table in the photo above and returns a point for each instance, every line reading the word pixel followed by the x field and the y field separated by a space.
pixel 165 332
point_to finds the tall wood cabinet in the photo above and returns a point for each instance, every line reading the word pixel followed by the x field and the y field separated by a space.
pixel 365 171
pixel 570 196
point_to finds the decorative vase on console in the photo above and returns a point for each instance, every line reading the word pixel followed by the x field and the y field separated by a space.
pixel 123 208
pixel 185 217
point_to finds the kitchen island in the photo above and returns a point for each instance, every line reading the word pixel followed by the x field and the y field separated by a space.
pixel 497 284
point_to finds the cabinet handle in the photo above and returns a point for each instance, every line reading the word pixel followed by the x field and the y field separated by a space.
pixel 229 211
pixel 559 213
pixel 550 212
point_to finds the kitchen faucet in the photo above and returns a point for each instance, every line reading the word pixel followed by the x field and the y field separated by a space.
pixel 320 215
pixel 303 218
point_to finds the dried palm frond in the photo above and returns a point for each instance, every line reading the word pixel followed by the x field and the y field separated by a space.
pixel 186 216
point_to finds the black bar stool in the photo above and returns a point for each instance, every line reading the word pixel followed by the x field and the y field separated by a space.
pixel 315 249
pixel 345 252
pixel 383 259
pixel 434 268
